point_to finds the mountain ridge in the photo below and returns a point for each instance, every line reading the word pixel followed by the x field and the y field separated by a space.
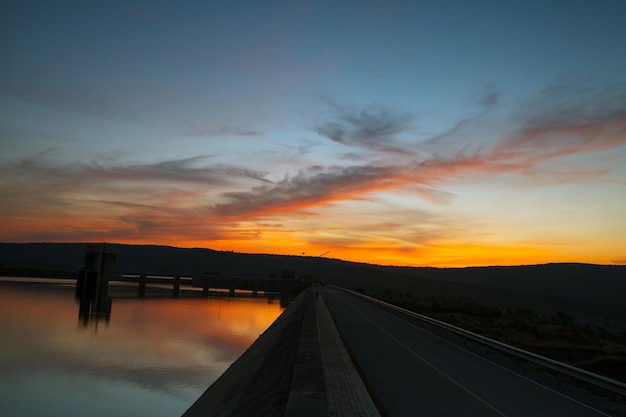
pixel 583 290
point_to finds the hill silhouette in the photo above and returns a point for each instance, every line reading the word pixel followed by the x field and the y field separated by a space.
pixel 590 293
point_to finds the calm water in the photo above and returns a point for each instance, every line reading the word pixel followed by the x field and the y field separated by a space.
pixel 154 357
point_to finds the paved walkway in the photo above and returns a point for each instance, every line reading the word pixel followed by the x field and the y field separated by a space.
pixel 346 393
pixel 325 381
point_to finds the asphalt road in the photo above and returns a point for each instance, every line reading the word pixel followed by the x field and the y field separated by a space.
pixel 410 372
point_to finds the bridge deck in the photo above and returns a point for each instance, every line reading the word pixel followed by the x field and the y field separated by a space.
pixel 347 395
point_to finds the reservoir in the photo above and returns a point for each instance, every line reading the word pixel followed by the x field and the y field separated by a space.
pixel 151 357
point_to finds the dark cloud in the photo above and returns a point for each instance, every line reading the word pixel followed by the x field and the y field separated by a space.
pixel 573 102
pixel 465 130
pixel 220 129
pixel 183 170
pixel 310 187
pixel 562 120
pixel 566 121
pixel 373 129
pixel 186 169
pixel 352 156
pixel 490 99
pixel 454 131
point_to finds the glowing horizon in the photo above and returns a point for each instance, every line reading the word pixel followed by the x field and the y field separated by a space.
pixel 395 134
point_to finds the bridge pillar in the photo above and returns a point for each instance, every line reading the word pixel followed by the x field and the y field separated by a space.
pixel 176 289
pixel 141 291
pixel 205 286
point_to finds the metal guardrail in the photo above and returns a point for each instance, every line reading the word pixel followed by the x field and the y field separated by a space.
pixel 609 384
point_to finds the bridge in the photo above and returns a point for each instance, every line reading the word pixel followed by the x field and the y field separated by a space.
pixel 334 352
pixel 209 282
pixel 92 283
pixel 94 278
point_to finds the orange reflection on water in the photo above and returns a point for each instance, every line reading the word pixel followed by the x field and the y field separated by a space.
pixel 155 356
pixel 161 344
pixel 185 327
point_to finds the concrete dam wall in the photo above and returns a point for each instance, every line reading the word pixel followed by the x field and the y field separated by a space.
pixel 260 382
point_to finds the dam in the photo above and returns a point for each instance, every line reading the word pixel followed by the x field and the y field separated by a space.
pixel 297 367
pixel 334 352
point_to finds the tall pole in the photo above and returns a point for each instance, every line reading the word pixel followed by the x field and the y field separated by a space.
pixel 319 259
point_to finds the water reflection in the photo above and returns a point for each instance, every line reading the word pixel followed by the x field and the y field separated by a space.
pixel 92 284
pixel 155 357
pixel 86 315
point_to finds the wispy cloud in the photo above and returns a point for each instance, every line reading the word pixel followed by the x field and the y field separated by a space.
pixel 183 170
pixel 196 199
pixel 572 102
pixel 369 128
pixel 467 131
pixel 310 187
pixel 490 99
pixel 219 129
pixel 561 120
pixel 565 120
pixel 523 151
pixel 126 199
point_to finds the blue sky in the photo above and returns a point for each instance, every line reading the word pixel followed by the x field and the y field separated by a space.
pixel 421 133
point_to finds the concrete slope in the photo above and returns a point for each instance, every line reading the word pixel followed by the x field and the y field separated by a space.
pixel 259 382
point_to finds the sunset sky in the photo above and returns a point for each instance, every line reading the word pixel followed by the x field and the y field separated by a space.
pixel 441 133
